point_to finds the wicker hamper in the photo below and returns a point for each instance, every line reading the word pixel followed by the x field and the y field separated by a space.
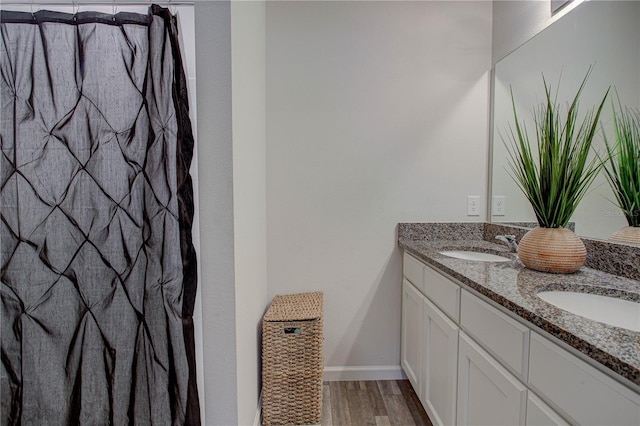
pixel 292 360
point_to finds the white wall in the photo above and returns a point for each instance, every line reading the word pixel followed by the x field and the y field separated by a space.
pixel 376 114
pixel 215 175
pixel 249 196
pixel 230 51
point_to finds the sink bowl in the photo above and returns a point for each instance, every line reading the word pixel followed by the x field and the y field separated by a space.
pixel 474 255
pixel 609 310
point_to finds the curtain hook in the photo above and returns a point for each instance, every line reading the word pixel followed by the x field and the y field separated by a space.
pixel 114 9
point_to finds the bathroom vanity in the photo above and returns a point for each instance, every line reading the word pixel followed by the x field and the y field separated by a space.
pixel 480 347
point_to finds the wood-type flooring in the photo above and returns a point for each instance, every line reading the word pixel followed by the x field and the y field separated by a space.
pixel 382 402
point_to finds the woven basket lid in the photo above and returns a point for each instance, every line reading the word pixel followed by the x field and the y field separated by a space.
pixel 295 307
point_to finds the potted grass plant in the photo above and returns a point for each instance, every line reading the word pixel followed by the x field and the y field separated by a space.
pixel 554 169
pixel 622 167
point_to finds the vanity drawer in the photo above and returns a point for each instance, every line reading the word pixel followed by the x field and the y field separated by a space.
pixel 443 292
pixel 413 271
pixel 585 394
pixel 506 338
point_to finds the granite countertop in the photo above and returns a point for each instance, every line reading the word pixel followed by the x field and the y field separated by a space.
pixel 514 287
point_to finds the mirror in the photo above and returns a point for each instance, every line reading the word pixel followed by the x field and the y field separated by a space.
pixel 605 34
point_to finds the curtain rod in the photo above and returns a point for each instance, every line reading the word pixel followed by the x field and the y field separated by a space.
pixel 60 3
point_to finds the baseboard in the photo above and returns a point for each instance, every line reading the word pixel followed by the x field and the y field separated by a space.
pixel 363 372
pixel 257 421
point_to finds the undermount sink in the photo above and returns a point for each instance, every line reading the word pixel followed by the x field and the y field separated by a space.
pixel 609 310
pixel 474 255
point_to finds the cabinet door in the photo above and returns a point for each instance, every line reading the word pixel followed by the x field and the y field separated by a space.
pixel 540 414
pixel 487 393
pixel 440 365
pixel 411 350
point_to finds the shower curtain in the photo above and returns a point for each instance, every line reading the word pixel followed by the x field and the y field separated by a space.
pixel 98 266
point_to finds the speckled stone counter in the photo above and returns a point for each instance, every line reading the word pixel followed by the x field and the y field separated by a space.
pixel 515 288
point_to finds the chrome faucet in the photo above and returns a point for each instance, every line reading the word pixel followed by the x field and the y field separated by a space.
pixel 509 240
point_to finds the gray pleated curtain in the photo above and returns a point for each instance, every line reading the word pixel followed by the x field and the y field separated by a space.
pixel 98 267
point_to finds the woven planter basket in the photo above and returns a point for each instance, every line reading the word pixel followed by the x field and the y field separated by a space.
pixel 555 250
pixel 292 360
pixel 628 234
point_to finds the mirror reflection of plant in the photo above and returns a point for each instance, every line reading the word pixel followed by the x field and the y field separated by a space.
pixel 556 178
pixel 622 163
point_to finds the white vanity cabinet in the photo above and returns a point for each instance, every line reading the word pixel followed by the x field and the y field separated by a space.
pixel 586 395
pixel 505 338
pixel 471 363
pixel 429 352
pixel 411 350
pixel 439 365
pixel 488 394
pixel 540 414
